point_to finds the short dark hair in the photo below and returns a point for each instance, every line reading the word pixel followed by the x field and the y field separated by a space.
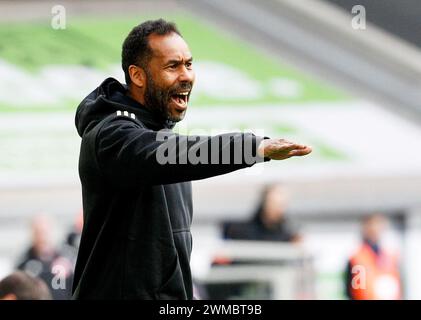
pixel 136 48
pixel 24 287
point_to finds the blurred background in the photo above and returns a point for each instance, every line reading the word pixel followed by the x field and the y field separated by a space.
pixel 340 78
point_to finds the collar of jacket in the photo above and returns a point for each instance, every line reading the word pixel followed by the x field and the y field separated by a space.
pixel 117 94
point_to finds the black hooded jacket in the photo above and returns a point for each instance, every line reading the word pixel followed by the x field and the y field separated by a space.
pixel 136 240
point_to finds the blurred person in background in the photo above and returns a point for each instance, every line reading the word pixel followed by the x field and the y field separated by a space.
pixel 72 240
pixel 269 222
pixel 43 260
pixel 21 286
pixel 372 271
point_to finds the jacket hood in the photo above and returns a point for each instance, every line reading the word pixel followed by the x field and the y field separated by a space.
pixel 110 97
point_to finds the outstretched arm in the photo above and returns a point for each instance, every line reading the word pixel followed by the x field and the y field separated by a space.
pixel 130 154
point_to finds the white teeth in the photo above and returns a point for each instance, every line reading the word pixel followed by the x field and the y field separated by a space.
pixel 182 101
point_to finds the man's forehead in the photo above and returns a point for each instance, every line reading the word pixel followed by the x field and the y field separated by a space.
pixel 169 46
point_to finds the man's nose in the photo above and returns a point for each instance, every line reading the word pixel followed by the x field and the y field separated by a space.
pixel 186 75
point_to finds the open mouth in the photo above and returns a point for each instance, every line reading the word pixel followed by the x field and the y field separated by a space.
pixel 180 99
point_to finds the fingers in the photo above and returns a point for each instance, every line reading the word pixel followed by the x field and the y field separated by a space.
pixel 300 152
pixel 287 145
pixel 280 149
pixel 294 147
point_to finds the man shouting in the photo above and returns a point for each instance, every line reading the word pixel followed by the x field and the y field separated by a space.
pixel 136 172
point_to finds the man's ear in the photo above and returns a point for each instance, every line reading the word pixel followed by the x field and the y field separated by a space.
pixel 137 75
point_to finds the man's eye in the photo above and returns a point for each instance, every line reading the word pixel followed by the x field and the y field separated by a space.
pixel 173 66
pixel 189 64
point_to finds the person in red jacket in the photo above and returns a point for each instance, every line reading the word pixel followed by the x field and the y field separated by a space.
pixel 372 271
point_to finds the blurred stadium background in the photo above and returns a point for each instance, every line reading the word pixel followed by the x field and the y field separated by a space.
pixel 291 69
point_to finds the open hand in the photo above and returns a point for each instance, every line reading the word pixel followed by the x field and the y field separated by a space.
pixel 280 149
